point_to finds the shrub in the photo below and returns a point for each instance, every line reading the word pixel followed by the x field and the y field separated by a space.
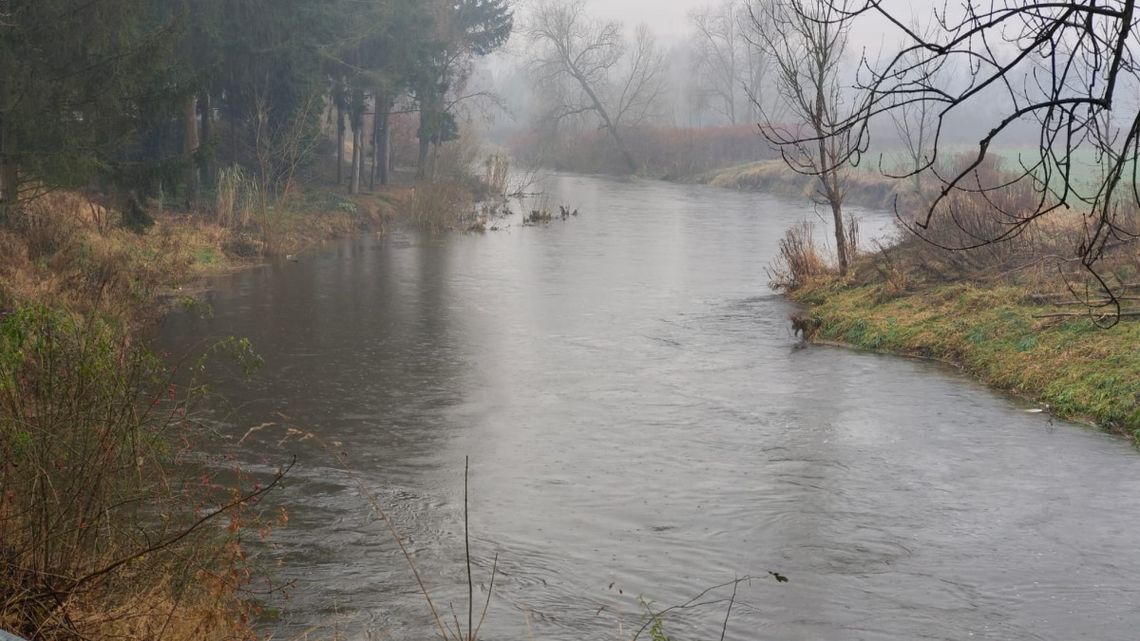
pixel 496 173
pixel 440 206
pixel 97 539
pixel 232 206
pixel 980 227
pixel 49 223
pixel 798 262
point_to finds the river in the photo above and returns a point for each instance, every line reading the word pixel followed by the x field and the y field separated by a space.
pixel 640 426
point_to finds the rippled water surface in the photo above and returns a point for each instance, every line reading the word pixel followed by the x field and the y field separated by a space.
pixel 639 425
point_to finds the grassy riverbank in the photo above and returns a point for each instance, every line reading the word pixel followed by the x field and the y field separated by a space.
pixel 107 530
pixel 1081 371
pixel 1003 313
pixel 67 252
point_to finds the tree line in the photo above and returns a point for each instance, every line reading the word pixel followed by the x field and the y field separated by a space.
pixel 978 79
pixel 135 98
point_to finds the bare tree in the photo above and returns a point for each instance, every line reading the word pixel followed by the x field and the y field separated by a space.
pixel 752 19
pixel 591 68
pixel 806 42
pixel 1065 67
pixel 916 122
pixel 719 55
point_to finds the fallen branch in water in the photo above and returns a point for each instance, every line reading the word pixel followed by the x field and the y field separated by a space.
pixel 696 602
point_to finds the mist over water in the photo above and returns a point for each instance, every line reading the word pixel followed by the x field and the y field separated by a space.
pixel 637 419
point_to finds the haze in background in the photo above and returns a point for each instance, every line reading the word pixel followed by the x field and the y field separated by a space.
pixel 683 103
pixel 669 19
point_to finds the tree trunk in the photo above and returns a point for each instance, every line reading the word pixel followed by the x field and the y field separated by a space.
pixel 629 161
pixel 605 116
pixel 9 176
pixel 357 153
pixel 381 151
pixel 840 234
pixel 190 146
pixel 207 162
pixel 386 148
pixel 431 117
pixel 354 167
pixel 375 144
pixel 753 90
pixel 421 167
pixel 732 95
pixel 828 176
pixel 233 139
pixel 339 143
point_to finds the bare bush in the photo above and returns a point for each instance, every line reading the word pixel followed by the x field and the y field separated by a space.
pixel 799 262
pixel 232 203
pixel 455 160
pixel 440 206
pixel 88 512
pixel 50 222
pixel 496 174
pixel 960 239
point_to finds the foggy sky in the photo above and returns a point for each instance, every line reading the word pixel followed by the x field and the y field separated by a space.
pixel 669 19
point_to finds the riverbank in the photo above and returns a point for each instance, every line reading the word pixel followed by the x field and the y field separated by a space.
pixel 1001 334
pixel 999 312
pixel 142 545
pixel 70 253
pixel 864 187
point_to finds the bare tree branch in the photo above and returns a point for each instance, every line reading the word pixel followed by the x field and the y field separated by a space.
pixel 586 66
pixel 806 44
pixel 1062 66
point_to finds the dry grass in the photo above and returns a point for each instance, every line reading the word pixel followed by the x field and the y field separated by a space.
pixel 441 206
pixel 234 202
pixel 986 219
pixel 1040 255
pixel 863 187
pixel 447 202
pixel 799 263
pixel 68 250
pixel 497 172
pixel 115 272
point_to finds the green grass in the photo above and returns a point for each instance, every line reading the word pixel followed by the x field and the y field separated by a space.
pixel 1083 372
pixel 207 256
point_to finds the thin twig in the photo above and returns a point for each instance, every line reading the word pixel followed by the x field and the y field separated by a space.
pixel 467 553
pixel 691 603
pixel 490 590
pixel 728 613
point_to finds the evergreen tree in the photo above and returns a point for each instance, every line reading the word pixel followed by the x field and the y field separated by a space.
pixel 463 30
pixel 79 86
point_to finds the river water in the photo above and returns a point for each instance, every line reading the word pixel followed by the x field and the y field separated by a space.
pixel 640 427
